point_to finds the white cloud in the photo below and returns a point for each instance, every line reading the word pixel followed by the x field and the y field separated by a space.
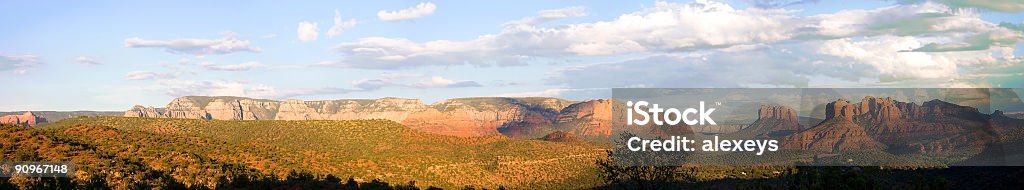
pixel 721 46
pixel 18 63
pixel 420 10
pixel 549 15
pixel 148 75
pixel 83 60
pixel 235 67
pixel 855 61
pixel 27 58
pixel 422 83
pixel 307 31
pixel 976 42
pixel 664 28
pixel 178 88
pixel 340 25
pixel 372 84
pixel 440 82
pixel 229 43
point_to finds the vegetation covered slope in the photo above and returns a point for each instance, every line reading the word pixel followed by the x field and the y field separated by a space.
pixel 192 152
pixel 146 153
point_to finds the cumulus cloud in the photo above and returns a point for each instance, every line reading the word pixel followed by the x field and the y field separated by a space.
pixel 228 43
pixel 18 63
pixel 664 28
pixel 307 31
pixel 984 41
pixel 420 10
pixel 231 67
pixel 83 60
pixel 871 60
pixel 340 25
pixel 148 75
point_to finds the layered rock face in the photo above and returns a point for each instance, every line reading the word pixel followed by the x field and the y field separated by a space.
pixel 515 117
pixel 588 118
pixel 26 119
pixel 395 109
pixel 778 119
pixel 835 135
pixel 882 110
pixel 221 108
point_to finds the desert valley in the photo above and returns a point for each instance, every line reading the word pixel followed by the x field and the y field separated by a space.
pixel 219 141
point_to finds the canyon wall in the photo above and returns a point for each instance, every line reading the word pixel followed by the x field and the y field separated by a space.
pixel 530 117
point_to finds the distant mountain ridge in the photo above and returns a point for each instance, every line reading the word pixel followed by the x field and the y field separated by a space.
pixel 872 123
pixel 54 116
pixel 26 119
pixel 885 124
pixel 528 117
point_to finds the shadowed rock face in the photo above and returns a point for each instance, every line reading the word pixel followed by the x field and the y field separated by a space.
pixel 559 136
pixel 841 130
pixel 835 134
pixel 27 119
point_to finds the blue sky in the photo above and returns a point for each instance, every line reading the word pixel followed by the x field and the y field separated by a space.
pixel 111 55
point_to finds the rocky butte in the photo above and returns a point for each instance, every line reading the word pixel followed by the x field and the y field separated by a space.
pixel 773 121
pixel 27 119
pixel 530 117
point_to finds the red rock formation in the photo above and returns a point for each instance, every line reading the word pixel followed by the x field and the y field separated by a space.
pixel 587 118
pixel 772 121
pixel 27 119
pixel 514 117
pixel 455 123
pixel 559 136
pixel 878 109
pixel 840 108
